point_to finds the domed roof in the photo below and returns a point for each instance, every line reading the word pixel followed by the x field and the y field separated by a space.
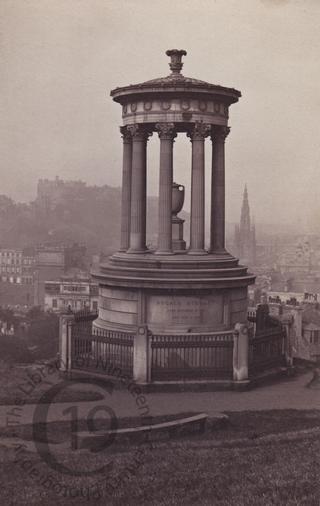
pixel 175 82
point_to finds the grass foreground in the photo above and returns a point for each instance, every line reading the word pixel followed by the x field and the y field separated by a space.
pixel 30 383
pixel 231 466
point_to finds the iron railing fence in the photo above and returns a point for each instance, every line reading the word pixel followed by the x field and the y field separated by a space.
pixel 192 356
pixel 171 357
pixel 101 351
pixel 267 351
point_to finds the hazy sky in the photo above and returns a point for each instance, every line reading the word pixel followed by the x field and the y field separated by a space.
pixel 61 58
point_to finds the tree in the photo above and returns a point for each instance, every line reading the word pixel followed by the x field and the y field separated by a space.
pixel 35 313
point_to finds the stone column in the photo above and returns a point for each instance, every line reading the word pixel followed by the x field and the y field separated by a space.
pixel 217 225
pixel 126 189
pixel 166 135
pixel 138 189
pixel 197 220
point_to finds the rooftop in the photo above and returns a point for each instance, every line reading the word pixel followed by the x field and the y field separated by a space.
pixel 175 82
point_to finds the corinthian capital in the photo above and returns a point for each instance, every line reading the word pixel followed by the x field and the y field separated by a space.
pixel 219 133
pixel 125 134
pixel 166 130
pixel 199 132
pixel 139 132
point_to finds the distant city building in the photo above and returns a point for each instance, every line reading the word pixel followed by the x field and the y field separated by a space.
pixel 293 298
pixel 300 258
pixel 71 294
pixel 11 265
pixel 310 343
pixel 302 323
pixel 51 194
pixel 311 333
pixel 75 256
pixel 23 272
pixel 28 266
pixel 53 261
pixel 298 266
pixel 17 266
pixel 5 329
pixel 245 235
pixel 50 266
pixel 17 274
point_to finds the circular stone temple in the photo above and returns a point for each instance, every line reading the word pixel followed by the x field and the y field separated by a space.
pixel 172 290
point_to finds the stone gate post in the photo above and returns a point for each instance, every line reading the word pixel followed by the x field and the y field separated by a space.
pixel 240 352
pixel 65 342
pixel 141 359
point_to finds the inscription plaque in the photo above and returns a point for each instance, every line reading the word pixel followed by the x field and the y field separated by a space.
pixel 189 310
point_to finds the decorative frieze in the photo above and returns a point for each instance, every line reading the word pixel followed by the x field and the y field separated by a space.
pixel 165 105
pixel 185 105
pixel 146 111
pixel 202 105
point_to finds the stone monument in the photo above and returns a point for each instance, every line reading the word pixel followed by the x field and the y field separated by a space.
pixel 174 289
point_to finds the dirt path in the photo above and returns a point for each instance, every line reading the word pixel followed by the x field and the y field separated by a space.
pixel 287 394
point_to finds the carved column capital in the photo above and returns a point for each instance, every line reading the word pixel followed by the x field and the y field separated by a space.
pixel 125 134
pixel 166 130
pixel 199 132
pixel 139 132
pixel 219 133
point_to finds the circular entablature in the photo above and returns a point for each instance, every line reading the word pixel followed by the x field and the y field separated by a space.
pixel 175 110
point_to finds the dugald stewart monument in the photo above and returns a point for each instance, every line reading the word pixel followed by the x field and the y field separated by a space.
pixel 176 305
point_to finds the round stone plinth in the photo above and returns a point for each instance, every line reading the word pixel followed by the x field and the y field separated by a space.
pixel 175 293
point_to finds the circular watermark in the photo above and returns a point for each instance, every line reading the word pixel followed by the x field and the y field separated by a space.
pixel 40 418
pixel 79 444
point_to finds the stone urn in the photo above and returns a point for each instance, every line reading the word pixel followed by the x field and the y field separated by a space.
pixel 177 198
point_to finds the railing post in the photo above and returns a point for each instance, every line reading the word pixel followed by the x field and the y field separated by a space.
pixel 262 314
pixel 65 342
pixel 141 355
pixel 240 352
pixel 288 340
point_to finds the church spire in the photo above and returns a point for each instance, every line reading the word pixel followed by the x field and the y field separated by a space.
pixel 245 234
pixel 245 213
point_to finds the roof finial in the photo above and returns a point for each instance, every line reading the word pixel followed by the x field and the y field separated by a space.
pixel 176 63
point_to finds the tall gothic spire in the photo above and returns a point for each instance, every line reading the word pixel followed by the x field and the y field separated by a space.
pixel 245 235
pixel 245 214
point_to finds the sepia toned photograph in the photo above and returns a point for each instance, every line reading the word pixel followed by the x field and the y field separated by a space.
pixel 159 253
